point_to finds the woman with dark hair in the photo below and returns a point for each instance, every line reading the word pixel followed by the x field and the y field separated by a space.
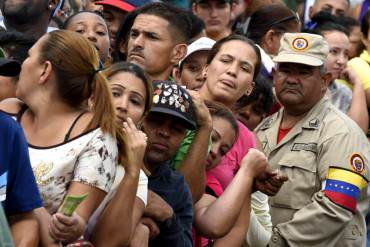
pixel 132 99
pixel 266 27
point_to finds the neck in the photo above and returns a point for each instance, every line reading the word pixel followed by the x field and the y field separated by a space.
pixel 206 95
pixel 164 75
pixel 48 109
pixel 220 35
pixel 35 28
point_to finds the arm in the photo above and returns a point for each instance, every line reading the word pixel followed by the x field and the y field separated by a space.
pixel 25 229
pixel 177 230
pixel 124 205
pixel 214 220
pixel 358 109
pixel 329 218
pixel 193 166
pixel 236 236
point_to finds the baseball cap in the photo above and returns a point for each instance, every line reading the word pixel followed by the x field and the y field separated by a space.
pixel 172 99
pixel 202 1
pixel 201 44
pixel 119 4
pixel 138 3
pixel 303 48
pixel 9 67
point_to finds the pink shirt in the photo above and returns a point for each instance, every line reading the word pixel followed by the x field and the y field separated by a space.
pixel 230 163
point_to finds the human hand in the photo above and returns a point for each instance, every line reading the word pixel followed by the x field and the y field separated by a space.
pixel 203 117
pixel 66 229
pixel 255 162
pixel 269 182
pixel 136 145
pixel 141 236
pixel 151 225
pixel 350 75
pixel 157 208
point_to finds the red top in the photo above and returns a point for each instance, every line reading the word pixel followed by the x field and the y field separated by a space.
pixel 282 133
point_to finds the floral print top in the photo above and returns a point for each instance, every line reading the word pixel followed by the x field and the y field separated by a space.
pixel 89 158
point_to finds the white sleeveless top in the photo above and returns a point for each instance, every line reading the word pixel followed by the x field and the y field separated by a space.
pixel 89 158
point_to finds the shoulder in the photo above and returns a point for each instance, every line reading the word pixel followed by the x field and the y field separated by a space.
pixel 267 122
pixel 336 122
pixel 11 105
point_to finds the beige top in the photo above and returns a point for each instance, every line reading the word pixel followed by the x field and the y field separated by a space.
pixel 301 214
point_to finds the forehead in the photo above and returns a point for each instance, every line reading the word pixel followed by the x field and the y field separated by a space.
pixel 337 4
pixel 336 38
pixel 239 49
pixel 87 18
pixel 151 23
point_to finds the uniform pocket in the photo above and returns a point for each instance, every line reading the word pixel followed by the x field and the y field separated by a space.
pixel 301 169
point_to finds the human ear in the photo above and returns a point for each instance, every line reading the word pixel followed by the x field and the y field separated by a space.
pixel 178 52
pixel 46 72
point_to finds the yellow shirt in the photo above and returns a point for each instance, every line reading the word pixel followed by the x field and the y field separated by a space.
pixel 361 65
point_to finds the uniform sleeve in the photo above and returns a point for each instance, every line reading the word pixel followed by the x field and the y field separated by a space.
pixel 343 165
pixel 96 166
pixel 22 192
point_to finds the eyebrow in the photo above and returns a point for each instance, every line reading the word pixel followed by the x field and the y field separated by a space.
pixel 124 88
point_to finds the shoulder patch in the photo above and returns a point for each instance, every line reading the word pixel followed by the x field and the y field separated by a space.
pixel 357 163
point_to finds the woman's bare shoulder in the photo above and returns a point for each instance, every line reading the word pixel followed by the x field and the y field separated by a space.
pixel 11 105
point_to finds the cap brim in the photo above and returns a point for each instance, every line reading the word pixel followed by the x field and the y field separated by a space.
pixel 297 58
pixel 9 67
pixel 188 55
pixel 189 124
pixel 117 4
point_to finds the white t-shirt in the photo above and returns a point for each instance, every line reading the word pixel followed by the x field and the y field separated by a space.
pixel 89 158
pixel 142 193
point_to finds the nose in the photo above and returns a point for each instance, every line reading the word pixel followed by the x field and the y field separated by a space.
pixel 164 131
pixel 122 104
pixel 138 41
pixel 232 69
pixel 214 150
pixel 91 36
pixel 342 59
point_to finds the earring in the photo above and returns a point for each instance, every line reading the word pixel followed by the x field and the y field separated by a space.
pixel 50 6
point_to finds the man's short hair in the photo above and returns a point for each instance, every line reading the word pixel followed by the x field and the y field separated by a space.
pixel 179 22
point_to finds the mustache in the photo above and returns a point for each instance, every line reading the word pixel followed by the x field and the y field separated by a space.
pixel 291 86
pixel 137 51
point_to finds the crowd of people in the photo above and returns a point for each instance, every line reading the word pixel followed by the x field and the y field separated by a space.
pixel 184 123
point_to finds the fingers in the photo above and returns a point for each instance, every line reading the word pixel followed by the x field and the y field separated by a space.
pixel 62 227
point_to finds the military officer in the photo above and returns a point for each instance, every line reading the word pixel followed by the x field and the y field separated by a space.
pixel 324 153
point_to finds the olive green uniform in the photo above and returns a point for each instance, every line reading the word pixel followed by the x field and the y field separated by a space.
pixel 302 215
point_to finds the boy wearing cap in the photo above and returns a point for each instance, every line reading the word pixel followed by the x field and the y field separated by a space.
pixel 114 12
pixel 324 153
pixel 217 15
pixel 190 70
pixel 18 190
pixel 169 199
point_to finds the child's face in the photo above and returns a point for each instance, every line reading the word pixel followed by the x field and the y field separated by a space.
pixel 251 115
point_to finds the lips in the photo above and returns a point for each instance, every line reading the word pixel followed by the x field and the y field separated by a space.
pixel 121 118
pixel 159 146
pixel 228 83
pixel 135 55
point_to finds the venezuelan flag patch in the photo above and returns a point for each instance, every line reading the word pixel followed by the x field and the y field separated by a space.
pixel 343 187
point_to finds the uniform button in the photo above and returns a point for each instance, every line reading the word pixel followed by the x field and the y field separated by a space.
pixel 320 195
pixel 275 239
pixel 354 232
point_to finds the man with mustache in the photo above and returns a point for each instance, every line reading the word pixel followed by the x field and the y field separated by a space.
pixel 157 39
pixel 324 153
